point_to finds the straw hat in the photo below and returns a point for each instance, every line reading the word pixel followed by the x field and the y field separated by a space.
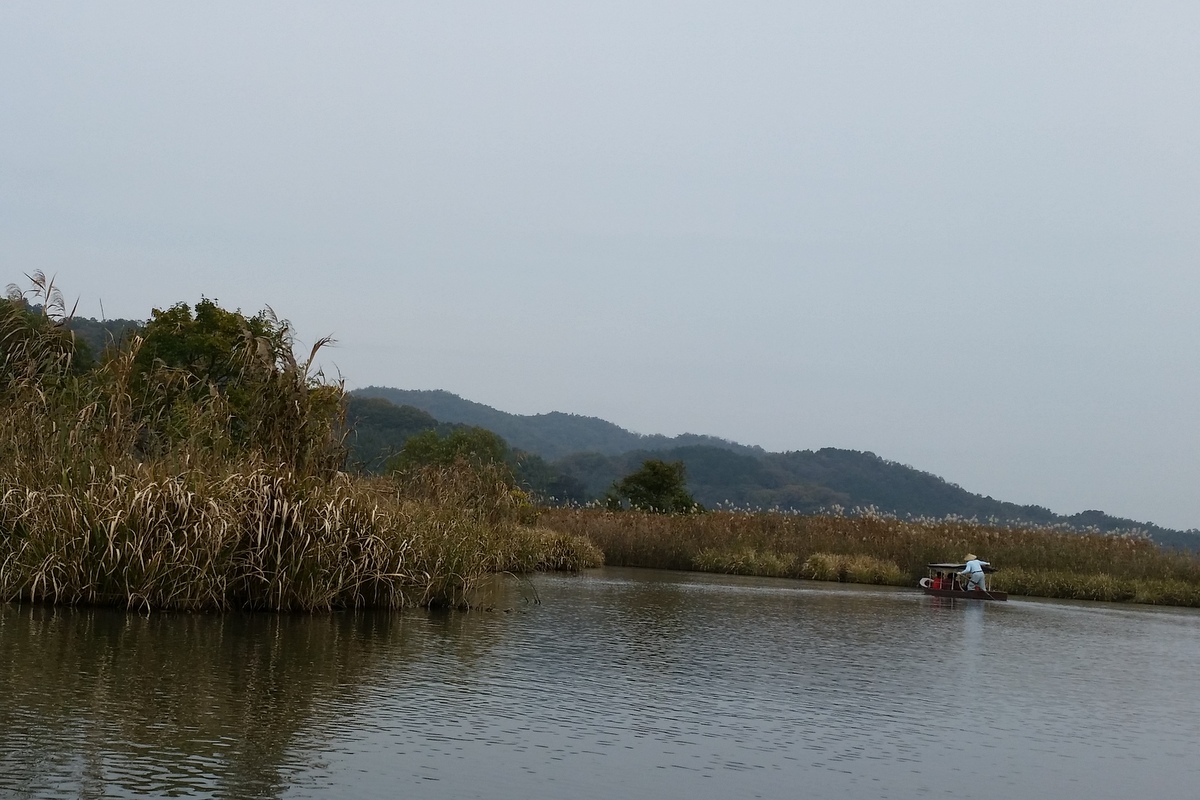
pixel 970 557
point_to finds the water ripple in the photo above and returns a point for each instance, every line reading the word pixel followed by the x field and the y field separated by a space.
pixel 621 683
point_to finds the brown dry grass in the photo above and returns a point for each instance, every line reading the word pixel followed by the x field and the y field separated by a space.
pixel 1051 563
pixel 266 538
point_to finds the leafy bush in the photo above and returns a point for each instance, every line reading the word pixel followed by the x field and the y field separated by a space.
pixel 657 487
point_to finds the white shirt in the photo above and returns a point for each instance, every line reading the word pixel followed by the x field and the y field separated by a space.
pixel 973 566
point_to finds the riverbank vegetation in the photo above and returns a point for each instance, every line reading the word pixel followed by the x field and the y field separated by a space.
pixel 195 462
pixel 884 550
pixel 198 465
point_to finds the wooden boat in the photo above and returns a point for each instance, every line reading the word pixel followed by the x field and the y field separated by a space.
pixel 944 581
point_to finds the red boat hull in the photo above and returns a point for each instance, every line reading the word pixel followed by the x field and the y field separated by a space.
pixel 958 594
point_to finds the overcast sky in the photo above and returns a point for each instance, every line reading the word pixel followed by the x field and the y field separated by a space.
pixel 963 236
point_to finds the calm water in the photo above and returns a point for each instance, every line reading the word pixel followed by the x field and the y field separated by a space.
pixel 620 683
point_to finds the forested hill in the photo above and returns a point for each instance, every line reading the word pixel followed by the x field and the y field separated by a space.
pixel 101 334
pixel 98 335
pixel 550 436
pixel 587 455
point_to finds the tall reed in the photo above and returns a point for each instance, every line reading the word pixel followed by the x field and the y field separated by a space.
pixel 140 486
pixel 253 537
pixel 1051 563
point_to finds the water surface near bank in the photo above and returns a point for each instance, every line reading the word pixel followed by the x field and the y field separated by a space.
pixel 620 683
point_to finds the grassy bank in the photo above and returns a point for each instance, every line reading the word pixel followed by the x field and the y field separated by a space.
pixel 198 468
pixel 881 550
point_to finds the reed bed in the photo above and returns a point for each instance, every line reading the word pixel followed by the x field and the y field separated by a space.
pixel 857 568
pixel 1060 583
pixel 884 550
pixel 262 538
pixel 144 487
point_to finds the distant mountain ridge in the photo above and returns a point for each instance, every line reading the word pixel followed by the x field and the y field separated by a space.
pixel 551 436
pixel 591 453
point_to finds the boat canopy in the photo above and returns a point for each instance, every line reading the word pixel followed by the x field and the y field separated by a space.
pixel 959 567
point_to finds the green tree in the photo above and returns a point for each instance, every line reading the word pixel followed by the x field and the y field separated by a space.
pixel 544 481
pixel 480 448
pixel 658 486
pixel 216 347
pixel 378 430
pixel 218 376
pixel 477 446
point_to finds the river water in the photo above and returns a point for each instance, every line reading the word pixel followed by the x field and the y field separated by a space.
pixel 617 684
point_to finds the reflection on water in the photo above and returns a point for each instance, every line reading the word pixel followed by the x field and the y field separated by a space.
pixel 100 703
pixel 620 683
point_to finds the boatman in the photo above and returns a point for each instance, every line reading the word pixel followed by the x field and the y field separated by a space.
pixel 972 574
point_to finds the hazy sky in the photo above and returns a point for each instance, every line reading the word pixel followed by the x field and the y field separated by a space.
pixel 963 236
